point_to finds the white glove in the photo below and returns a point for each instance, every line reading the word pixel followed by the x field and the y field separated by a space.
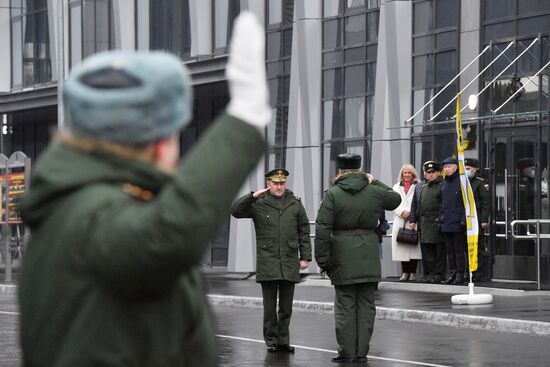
pixel 245 72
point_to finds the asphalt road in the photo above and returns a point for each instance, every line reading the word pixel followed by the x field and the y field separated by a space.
pixel 394 343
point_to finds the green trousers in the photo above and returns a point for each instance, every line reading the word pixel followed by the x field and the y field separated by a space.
pixel 276 323
pixel 354 313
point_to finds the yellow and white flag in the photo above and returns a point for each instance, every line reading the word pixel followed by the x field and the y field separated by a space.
pixel 472 225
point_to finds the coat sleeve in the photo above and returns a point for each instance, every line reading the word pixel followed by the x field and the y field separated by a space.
pixel 303 234
pixel 402 206
pixel 485 201
pixel 143 248
pixel 390 198
pixel 242 208
pixel 324 228
pixel 414 206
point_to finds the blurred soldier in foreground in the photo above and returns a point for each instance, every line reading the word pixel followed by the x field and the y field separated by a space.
pixel 346 247
pixel 111 276
pixel 283 248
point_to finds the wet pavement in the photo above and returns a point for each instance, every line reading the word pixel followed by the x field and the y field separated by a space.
pixel 533 308
pixel 393 344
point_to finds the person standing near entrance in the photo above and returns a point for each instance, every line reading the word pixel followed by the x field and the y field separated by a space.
pixel 283 249
pixel 346 248
pixel 424 217
pixel 452 218
pixel 480 189
pixel 407 254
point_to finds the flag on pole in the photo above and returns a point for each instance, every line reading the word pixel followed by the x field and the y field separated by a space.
pixel 472 225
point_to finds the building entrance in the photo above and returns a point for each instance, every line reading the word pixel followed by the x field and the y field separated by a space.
pixel 518 183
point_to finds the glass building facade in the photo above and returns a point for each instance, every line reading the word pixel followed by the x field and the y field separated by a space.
pixel 343 75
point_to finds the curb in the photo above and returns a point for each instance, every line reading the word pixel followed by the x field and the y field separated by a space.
pixel 437 288
pixel 459 321
pixel 8 289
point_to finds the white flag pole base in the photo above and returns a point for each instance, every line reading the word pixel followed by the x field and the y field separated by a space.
pixel 471 298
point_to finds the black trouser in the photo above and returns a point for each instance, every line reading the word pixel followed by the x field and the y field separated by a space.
pixel 435 258
pixel 276 323
pixel 455 244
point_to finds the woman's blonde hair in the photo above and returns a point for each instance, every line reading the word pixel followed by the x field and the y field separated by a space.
pixel 411 168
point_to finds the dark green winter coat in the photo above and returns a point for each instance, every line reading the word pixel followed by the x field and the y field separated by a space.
pixel 352 205
pixel 110 276
pixel 427 214
pixel 282 234
pixel 480 188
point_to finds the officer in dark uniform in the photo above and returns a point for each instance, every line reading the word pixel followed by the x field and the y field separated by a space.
pixel 452 218
pixel 283 249
pixel 480 189
pixel 346 247
pixel 424 217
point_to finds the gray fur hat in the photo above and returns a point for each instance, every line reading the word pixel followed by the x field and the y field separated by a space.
pixel 128 97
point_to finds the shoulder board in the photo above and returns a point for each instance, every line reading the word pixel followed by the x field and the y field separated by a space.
pixel 298 198
pixel 480 178
pixel 137 192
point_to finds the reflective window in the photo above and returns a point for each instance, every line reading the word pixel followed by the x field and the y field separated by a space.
pixel 279 16
pixel 274 11
pixel 91 24
pixel 354 54
pixel 355 83
pixel 333 116
pixel 423 17
pixel 446 13
pixel 332 35
pixel 225 12
pixel 445 66
pixel 169 27
pixel 530 6
pixel 30 43
pixel 495 9
pixel 333 84
pixel 355 30
pixel 355 117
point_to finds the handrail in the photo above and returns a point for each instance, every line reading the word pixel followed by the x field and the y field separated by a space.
pixel 529 236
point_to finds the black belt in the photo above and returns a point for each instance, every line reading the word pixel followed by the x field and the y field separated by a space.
pixel 353 231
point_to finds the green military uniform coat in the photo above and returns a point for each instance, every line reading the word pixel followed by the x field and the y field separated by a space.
pixel 480 188
pixel 282 240
pixel 110 275
pixel 282 234
pixel 430 201
pixel 345 240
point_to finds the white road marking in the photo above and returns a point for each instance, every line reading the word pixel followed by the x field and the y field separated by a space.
pixel 8 313
pixel 334 352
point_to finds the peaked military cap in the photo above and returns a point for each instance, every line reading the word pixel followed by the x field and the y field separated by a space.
pixel 431 166
pixel 349 161
pixel 525 162
pixel 449 160
pixel 277 175
pixel 472 162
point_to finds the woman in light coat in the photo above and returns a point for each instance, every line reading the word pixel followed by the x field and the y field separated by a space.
pixel 406 253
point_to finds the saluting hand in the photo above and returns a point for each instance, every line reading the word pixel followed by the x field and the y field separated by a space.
pixel 303 264
pixel 260 193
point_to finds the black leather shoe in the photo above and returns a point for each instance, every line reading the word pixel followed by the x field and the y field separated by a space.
pixel 285 348
pixel 341 359
pixel 360 359
pixel 272 349
pixel 449 280
pixel 458 280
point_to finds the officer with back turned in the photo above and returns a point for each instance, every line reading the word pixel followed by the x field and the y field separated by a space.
pixel 346 247
pixel 283 249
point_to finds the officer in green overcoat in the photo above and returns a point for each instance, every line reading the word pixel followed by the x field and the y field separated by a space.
pixel 424 218
pixel 283 249
pixel 482 198
pixel 346 247
pixel 111 274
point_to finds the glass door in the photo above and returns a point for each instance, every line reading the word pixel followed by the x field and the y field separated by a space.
pixel 516 195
